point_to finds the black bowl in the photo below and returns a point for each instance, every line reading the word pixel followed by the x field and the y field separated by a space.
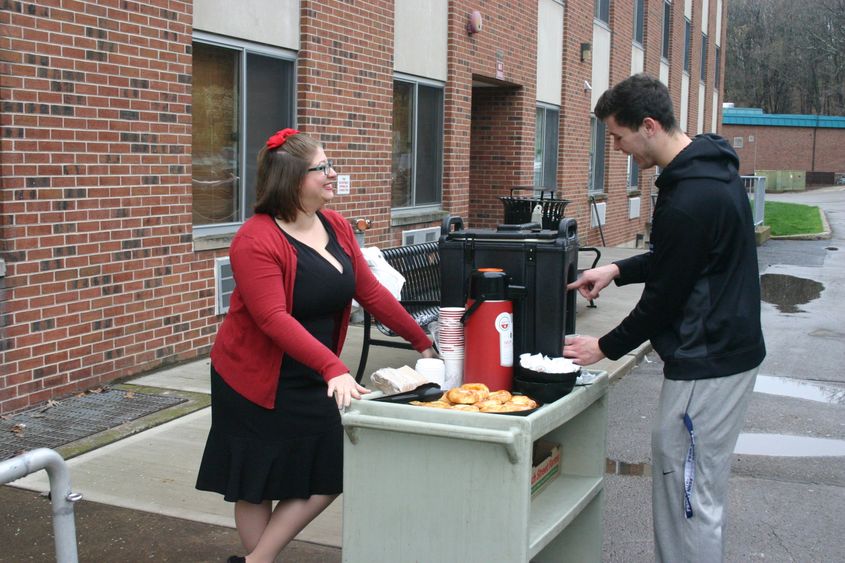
pixel 526 374
pixel 545 392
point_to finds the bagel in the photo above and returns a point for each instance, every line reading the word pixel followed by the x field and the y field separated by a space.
pixel 500 396
pixel 513 407
pixel 524 400
pixel 482 389
pixel 462 396
pixel 488 405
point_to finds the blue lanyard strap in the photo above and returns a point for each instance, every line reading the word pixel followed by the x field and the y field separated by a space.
pixel 689 467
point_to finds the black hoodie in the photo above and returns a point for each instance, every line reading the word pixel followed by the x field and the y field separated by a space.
pixel 700 306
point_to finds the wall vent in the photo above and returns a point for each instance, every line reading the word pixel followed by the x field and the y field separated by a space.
pixel 419 236
pixel 224 285
pixel 598 212
pixel 633 207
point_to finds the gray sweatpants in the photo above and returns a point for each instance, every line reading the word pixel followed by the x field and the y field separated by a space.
pixel 716 408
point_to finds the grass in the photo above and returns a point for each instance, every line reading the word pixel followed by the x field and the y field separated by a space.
pixel 792 219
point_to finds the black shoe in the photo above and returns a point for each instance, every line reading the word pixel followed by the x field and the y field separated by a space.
pixel 236 559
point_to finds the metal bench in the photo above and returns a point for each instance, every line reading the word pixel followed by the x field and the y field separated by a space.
pixel 420 265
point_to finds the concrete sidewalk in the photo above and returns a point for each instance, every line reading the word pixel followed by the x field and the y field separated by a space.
pixel 154 471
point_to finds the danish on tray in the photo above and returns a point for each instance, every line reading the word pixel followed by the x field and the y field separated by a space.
pixel 477 397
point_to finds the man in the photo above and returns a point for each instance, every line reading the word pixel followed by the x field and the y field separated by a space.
pixel 700 307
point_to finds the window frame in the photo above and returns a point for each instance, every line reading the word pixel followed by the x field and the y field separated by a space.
pixel 666 40
pixel 601 11
pixel 417 81
pixel 639 23
pixel 243 47
pixel 544 173
pixel 687 45
pixel 633 171
pixel 598 150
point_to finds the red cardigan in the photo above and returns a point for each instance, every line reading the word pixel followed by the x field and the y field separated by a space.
pixel 259 330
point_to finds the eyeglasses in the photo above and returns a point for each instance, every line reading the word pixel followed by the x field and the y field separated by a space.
pixel 324 168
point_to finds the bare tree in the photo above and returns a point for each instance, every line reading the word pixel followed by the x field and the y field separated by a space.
pixel 787 56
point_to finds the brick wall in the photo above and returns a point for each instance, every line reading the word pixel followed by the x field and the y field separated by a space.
pixel 345 99
pixel 498 118
pixel 788 148
pixel 95 206
pixel 573 154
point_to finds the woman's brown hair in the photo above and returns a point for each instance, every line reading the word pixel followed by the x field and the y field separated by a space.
pixel 280 174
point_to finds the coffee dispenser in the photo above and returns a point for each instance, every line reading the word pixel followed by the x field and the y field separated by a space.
pixel 488 328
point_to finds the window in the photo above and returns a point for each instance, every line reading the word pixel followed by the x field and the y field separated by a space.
pixel 545 147
pixel 667 28
pixel 703 57
pixel 602 10
pixel 633 175
pixel 242 94
pixel 639 9
pixel 597 145
pixel 687 45
pixel 718 66
pixel 417 165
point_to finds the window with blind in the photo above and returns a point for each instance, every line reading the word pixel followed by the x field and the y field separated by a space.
pixel 241 95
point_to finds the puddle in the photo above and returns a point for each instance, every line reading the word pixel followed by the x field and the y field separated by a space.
pixel 799 389
pixel 782 445
pixel 787 292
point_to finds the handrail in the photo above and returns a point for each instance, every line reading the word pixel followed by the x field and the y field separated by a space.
pixel 61 497
pixel 506 438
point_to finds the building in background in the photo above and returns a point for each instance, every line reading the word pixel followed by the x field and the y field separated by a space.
pixel 792 150
pixel 130 130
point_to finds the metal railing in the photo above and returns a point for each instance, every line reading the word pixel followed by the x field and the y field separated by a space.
pixel 756 187
pixel 61 497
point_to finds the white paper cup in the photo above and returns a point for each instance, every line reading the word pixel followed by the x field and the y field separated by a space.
pixel 432 369
pixel 454 372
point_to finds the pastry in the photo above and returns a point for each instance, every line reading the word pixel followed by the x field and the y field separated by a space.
pixel 482 389
pixel 460 395
pixel 500 396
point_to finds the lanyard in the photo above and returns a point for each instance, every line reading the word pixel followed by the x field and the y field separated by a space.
pixel 689 467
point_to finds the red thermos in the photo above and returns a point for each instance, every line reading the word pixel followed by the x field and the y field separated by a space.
pixel 488 330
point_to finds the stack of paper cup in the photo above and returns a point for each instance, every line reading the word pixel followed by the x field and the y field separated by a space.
pixel 451 344
pixel 433 369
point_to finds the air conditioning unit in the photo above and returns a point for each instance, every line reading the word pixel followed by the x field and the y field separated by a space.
pixel 633 207
pixel 598 213
pixel 224 285
pixel 419 236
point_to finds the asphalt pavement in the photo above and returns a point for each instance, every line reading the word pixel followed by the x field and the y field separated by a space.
pixel 140 503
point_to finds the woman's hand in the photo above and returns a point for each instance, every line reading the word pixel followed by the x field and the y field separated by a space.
pixel 344 388
pixel 429 353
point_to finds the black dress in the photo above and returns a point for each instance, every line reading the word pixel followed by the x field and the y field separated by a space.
pixel 294 450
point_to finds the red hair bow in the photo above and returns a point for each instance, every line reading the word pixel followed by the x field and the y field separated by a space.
pixel 280 137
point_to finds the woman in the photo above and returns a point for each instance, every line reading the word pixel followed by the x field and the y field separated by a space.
pixel 276 378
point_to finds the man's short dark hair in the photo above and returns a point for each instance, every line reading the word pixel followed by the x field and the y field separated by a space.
pixel 636 98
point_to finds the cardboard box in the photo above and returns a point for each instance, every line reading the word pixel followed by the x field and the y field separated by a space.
pixel 545 466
